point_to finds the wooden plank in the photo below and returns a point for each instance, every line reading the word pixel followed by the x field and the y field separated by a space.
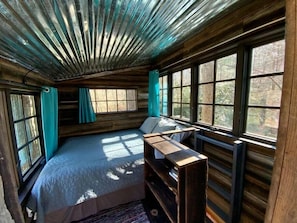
pixel 282 201
pixel 235 23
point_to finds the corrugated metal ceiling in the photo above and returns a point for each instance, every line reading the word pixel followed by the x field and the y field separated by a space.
pixel 66 39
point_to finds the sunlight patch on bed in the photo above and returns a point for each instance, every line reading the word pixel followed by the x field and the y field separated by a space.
pixel 86 196
pixel 111 139
pixel 129 136
pixel 112 176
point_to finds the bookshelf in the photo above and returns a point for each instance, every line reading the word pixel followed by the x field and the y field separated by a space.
pixel 178 180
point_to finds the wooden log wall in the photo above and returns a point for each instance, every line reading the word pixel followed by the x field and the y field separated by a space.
pixel 68 104
pixel 13 77
pixel 233 24
pixel 225 31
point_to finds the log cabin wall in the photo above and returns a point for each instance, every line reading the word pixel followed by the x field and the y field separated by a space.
pixel 16 78
pixel 68 104
pixel 226 32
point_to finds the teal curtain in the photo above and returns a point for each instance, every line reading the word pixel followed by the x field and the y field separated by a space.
pixel 49 115
pixel 86 111
pixel 153 101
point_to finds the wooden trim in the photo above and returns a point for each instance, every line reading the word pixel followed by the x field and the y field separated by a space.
pixel 282 203
pixel 110 72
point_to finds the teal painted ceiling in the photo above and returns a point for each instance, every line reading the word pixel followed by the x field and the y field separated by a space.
pixel 66 39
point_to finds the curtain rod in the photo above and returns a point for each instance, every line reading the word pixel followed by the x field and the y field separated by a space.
pixel 20 85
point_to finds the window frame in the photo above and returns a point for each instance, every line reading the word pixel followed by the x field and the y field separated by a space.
pixel 171 95
pixel 245 103
pixel 241 47
pixel 163 89
pixel 215 58
pixel 114 112
pixel 31 174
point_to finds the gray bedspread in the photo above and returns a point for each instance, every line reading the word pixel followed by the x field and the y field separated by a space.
pixel 88 167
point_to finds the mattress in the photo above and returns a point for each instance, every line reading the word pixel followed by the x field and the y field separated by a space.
pixel 88 174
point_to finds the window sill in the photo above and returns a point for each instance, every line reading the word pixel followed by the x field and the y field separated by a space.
pixel 24 193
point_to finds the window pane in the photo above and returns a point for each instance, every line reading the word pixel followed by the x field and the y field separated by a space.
pixel 223 116
pixel 16 106
pixel 101 107
pixel 268 58
pixel 112 106
pixel 163 95
pixel 100 95
pixel 206 72
pixel 131 95
pixel 187 77
pixel 176 95
pixel 225 92
pixel 121 94
pixel 262 122
pixel 176 79
pixel 29 105
pixel 111 95
pixel 205 114
pixel 24 160
pixel 164 108
pixel 205 93
pixel 20 133
pixel 164 86
pixel 186 111
pixel 32 128
pixel 186 94
pixel 92 95
pixel 266 91
pixel 226 68
pixel 122 106
pixel 35 150
pixel 176 109
pixel 131 105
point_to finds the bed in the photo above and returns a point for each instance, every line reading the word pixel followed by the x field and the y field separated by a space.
pixel 92 173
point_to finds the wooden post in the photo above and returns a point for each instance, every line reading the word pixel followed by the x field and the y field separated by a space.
pixel 283 194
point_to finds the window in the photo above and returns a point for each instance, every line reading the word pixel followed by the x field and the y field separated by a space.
pixel 216 89
pixel 113 100
pixel 163 95
pixel 26 131
pixel 181 94
pixel 265 87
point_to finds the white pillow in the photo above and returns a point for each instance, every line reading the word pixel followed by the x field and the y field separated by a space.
pixel 164 125
pixel 149 124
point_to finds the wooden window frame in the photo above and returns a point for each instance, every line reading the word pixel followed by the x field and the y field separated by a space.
pixel 106 100
pixel 26 181
pixel 162 90
pixel 181 103
pixel 241 47
pixel 214 82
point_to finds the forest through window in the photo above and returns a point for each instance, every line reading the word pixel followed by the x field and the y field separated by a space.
pixel 224 92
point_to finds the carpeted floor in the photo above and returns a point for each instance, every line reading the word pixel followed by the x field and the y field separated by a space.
pixel 133 212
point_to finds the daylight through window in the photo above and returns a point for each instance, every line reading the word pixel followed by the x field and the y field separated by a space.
pixel 181 94
pixel 216 89
pixel 113 100
pixel 26 131
pixel 266 79
pixel 163 95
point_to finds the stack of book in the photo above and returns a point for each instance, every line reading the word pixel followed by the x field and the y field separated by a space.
pixel 173 173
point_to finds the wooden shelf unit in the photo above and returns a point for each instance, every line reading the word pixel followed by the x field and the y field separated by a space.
pixel 182 199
